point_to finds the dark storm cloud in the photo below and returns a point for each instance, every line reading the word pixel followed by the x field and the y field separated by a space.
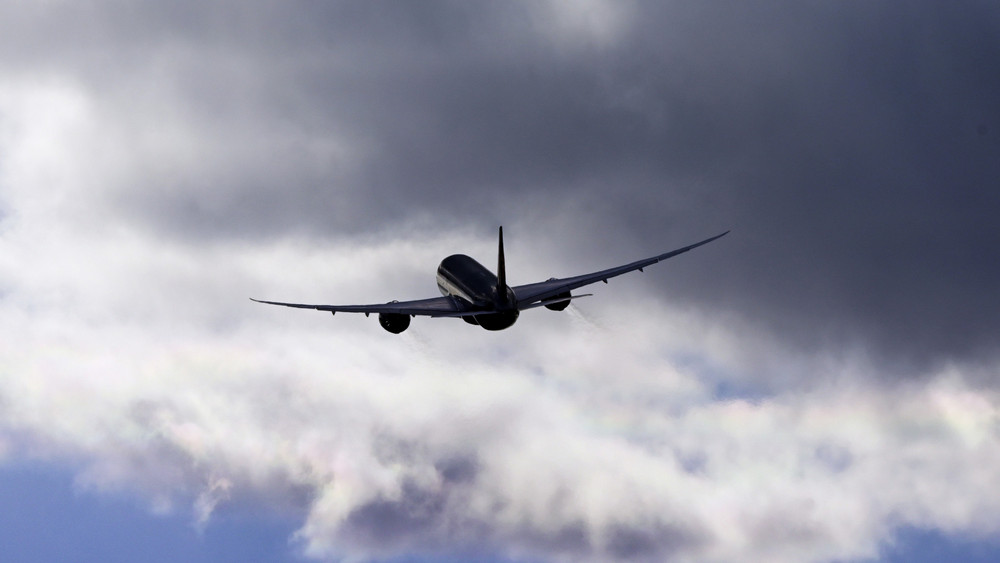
pixel 853 148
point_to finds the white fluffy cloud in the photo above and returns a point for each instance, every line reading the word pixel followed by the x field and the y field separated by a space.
pixel 559 439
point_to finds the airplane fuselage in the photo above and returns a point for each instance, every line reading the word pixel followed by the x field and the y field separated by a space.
pixel 461 277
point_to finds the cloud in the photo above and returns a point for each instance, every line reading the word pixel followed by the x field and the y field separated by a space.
pixel 797 391
pixel 558 439
pixel 853 162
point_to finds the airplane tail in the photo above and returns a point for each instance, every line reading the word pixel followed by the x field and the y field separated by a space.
pixel 501 273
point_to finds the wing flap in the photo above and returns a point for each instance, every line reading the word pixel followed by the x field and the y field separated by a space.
pixel 434 307
pixel 551 300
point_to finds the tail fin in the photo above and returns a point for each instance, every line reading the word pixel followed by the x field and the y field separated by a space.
pixel 501 273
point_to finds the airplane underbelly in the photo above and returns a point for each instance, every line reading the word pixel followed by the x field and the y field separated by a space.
pixel 497 321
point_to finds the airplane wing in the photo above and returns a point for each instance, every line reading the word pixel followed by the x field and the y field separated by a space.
pixel 434 307
pixel 542 293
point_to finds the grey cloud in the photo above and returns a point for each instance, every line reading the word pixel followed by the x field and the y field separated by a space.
pixel 652 543
pixel 854 151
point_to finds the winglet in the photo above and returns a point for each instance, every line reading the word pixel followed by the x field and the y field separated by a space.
pixel 501 273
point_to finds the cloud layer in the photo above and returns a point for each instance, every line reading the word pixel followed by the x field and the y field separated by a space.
pixel 796 391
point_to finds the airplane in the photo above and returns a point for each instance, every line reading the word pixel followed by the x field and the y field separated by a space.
pixel 477 296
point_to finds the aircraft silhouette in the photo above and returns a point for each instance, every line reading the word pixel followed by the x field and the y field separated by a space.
pixel 477 296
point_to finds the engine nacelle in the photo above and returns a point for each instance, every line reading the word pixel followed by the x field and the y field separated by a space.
pixel 559 305
pixel 394 322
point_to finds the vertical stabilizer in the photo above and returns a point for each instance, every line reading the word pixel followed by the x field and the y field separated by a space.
pixel 501 273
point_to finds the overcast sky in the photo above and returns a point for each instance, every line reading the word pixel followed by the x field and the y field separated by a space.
pixel 822 384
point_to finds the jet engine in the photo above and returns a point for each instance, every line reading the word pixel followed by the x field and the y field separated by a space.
pixel 394 322
pixel 559 305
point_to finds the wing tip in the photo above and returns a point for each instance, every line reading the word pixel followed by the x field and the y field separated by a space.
pixel 710 239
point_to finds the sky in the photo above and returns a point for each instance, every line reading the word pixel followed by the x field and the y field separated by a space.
pixel 823 384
